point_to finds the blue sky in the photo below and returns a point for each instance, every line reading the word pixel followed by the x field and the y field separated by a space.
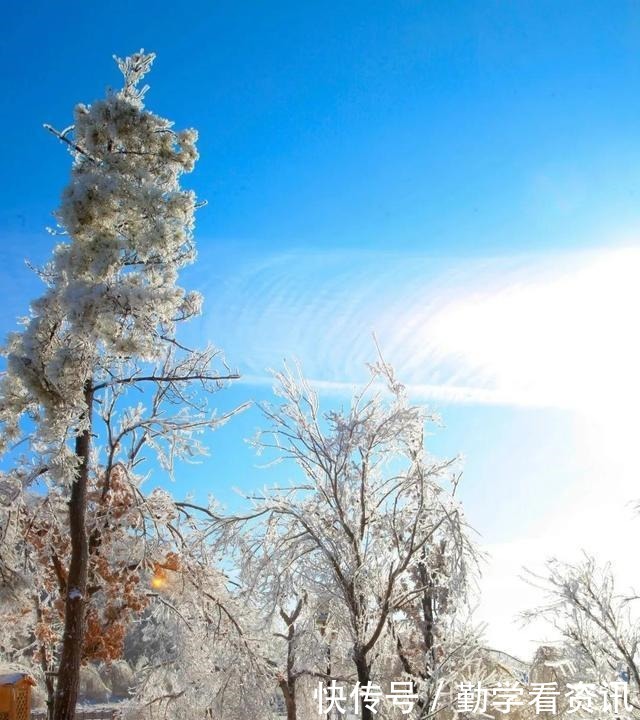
pixel 461 177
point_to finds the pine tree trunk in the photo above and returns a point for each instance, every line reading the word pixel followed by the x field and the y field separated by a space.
pixel 74 613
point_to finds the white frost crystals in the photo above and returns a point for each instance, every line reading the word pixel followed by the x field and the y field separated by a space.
pixel 79 524
pixel 112 292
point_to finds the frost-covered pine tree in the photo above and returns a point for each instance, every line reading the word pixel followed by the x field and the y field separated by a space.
pixel 106 326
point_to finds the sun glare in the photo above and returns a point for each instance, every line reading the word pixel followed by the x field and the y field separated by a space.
pixel 567 339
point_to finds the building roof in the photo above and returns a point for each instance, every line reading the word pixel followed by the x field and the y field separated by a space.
pixel 12 678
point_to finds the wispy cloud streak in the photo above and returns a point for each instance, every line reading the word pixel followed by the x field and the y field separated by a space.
pixel 539 331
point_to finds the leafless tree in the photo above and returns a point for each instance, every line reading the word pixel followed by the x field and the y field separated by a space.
pixel 366 507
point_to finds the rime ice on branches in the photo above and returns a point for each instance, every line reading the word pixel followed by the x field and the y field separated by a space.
pixel 106 325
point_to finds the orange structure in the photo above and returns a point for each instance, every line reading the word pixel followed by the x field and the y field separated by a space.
pixel 15 696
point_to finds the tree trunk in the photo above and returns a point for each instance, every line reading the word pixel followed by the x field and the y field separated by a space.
pixel 289 694
pixel 51 693
pixel 74 611
pixel 288 683
pixel 292 710
pixel 364 676
pixel 45 666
